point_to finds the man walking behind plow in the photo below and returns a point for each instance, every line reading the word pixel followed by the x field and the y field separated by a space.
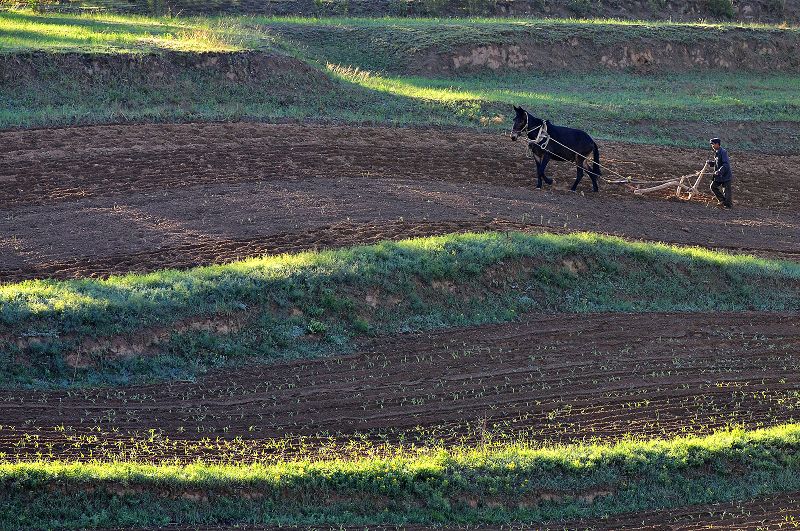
pixel 722 174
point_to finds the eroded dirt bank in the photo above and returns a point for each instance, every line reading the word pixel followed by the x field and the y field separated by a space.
pixel 734 51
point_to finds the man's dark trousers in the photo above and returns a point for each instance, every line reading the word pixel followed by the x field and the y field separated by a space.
pixel 724 196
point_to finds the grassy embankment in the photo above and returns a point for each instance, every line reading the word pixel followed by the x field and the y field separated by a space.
pixel 494 483
pixel 300 305
pixel 362 71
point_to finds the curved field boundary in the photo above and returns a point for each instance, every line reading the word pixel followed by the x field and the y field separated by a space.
pixel 335 236
pixel 127 302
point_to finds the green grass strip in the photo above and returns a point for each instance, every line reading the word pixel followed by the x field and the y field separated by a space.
pixel 23 30
pixel 618 267
pixel 490 484
pixel 324 300
pixel 616 97
pixel 662 110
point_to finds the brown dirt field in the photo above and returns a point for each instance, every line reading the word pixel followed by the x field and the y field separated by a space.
pixel 552 378
pixel 110 199
pixel 779 511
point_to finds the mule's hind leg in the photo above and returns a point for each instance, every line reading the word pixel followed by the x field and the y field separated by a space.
pixel 588 163
pixel 579 176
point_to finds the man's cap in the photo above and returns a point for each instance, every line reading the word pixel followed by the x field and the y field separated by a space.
pixel 715 141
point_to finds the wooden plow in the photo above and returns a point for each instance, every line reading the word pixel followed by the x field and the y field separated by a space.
pixel 685 185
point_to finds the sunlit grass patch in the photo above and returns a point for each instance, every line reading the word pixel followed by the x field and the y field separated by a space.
pixel 22 30
pixel 491 483
pixel 196 289
pixel 617 96
pixel 527 22
pixel 41 298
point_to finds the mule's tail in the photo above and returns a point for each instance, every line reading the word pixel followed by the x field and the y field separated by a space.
pixel 596 168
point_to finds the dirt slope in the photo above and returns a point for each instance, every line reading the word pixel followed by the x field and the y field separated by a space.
pixel 733 51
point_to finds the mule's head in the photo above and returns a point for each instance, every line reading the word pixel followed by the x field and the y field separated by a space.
pixel 520 122
pixel 524 123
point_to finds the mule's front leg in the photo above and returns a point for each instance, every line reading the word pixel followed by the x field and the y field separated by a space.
pixel 540 173
pixel 538 160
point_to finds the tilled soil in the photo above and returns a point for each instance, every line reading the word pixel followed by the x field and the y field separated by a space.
pixel 110 199
pixel 554 378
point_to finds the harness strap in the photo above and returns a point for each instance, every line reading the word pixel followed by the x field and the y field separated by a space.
pixel 543 138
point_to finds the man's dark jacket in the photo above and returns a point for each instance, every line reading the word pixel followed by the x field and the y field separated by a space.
pixel 722 167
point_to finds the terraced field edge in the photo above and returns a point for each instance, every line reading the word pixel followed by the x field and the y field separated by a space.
pixel 177 324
